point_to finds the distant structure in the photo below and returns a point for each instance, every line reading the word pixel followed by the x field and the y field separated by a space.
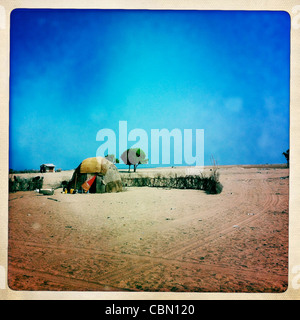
pixel 47 167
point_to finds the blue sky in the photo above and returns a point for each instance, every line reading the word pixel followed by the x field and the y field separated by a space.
pixel 74 72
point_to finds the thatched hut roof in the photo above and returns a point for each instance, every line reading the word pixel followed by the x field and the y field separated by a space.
pixel 95 165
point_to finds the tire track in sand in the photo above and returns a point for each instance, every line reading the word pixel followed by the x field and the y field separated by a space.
pixel 66 281
pixel 135 264
pixel 268 201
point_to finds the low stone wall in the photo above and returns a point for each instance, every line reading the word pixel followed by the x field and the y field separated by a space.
pixel 25 184
pixel 209 184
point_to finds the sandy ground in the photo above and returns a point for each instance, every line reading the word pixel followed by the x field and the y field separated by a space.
pixel 155 239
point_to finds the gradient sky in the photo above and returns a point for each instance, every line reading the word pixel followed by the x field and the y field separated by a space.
pixel 74 72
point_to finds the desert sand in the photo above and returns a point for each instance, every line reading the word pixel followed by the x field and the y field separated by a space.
pixel 154 239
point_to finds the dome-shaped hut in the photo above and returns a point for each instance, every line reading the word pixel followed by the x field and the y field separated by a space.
pixel 106 176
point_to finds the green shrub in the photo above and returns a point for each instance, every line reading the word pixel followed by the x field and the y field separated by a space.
pixel 213 185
